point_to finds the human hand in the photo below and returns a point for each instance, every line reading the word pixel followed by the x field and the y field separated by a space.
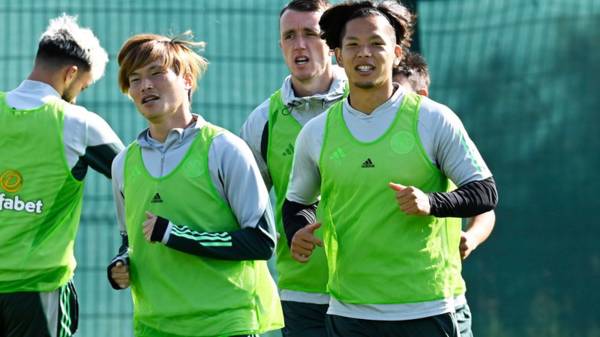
pixel 467 245
pixel 149 225
pixel 304 242
pixel 120 274
pixel 411 200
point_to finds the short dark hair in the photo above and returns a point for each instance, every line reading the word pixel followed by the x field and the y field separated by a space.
pixel 61 49
pixel 306 6
pixel 334 20
pixel 414 68
pixel 412 62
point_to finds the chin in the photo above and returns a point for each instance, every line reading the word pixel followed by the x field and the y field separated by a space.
pixel 304 74
pixel 69 99
pixel 301 78
pixel 147 113
pixel 365 85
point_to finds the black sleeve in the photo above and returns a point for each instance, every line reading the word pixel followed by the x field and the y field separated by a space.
pixel 264 142
pixel 99 158
pixel 471 199
pixel 296 216
pixel 122 256
pixel 245 244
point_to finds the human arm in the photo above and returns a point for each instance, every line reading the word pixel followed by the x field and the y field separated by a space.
pixel 233 170
pixel 89 142
pixel 474 198
pixel 255 132
pixel 478 230
pixel 118 269
pixel 299 208
pixel 244 244
pixel 449 148
pixel 300 223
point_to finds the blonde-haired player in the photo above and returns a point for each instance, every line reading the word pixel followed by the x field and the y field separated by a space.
pixel 194 206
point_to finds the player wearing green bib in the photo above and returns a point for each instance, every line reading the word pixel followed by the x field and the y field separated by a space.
pixel 191 201
pixel 383 160
pixel 47 144
pixel 313 85
pixel 413 74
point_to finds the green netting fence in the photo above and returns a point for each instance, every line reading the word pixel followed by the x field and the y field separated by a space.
pixel 522 75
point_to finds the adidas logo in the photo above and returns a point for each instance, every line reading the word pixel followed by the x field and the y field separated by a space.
pixel 156 199
pixel 367 163
pixel 289 150
pixel 337 154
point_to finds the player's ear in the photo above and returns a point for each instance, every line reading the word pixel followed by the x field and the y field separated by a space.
pixel 70 74
pixel 338 57
pixel 188 80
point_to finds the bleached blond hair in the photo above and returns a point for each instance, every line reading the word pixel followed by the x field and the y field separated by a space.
pixel 65 41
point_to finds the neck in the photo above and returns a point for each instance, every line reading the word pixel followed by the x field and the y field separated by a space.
pixel 313 86
pixel 159 129
pixel 51 78
pixel 367 100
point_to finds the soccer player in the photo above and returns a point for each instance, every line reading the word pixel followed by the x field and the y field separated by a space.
pixel 47 143
pixel 196 212
pixel 271 130
pixel 413 74
pixel 382 161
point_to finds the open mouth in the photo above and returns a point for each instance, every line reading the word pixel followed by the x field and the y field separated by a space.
pixel 149 98
pixel 364 68
pixel 300 60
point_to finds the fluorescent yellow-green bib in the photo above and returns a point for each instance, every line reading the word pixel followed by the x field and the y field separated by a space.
pixel 377 254
pixel 183 294
pixel 454 231
pixel 40 201
pixel 283 131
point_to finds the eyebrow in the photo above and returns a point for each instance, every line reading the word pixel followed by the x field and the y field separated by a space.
pixel 303 29
pixel 154 67
pixel 372 37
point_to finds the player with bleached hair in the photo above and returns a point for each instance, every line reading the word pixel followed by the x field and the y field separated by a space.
pixel 47 144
